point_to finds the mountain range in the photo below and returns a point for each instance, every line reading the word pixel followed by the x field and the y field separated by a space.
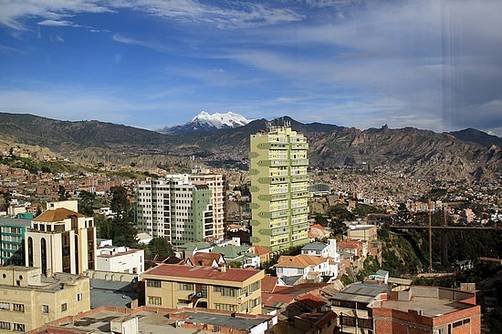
pixel 468 154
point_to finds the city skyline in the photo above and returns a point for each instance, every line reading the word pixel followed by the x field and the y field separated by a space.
pixel 351 63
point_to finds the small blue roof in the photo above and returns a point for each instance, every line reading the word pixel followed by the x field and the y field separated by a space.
pixel 315 246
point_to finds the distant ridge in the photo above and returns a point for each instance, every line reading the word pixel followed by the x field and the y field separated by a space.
pixel 468 154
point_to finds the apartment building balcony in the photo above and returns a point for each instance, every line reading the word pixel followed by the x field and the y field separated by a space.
pixel 299 162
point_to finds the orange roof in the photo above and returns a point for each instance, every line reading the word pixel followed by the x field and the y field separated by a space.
pixel 268 283
pixel 261 250
pixel 56 215
pixel 176 270
pixel 299 261
pixel 350 244
pixel 204 259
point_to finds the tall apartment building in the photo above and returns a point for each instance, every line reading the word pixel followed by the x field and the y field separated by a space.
pixel 12 234
pixel 61 240
pixel 279 194
pixel 29 300
pixel 216 184
pixel 175 208
pixel 177 286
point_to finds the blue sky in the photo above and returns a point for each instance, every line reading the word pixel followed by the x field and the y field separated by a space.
pixel 151 63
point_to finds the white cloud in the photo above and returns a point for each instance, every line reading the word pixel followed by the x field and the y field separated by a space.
pixel 57 23
pixel 146 44
pixel 220 14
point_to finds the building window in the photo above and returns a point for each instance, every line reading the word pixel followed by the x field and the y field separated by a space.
pixel 153 283
pixel 185 286
pixel 64 307
pixel 154 300
pixel 4 306
pixel 18 327
pixel 5 325
pixel 18 307
pixel 227 292
pixel 45 308
pixel 225 307
pixel 79 297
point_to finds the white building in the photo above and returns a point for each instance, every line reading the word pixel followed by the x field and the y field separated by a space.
pixel 120 260
pixel 317 248
pixel 176 208
pixel 305 267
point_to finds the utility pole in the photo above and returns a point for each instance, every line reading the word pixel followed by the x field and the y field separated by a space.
pixel 429 205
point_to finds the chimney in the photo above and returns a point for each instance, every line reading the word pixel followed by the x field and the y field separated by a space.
pixel 223 268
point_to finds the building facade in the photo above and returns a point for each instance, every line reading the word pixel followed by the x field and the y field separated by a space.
pixel 279 188
pixel 175 208
pixel 12 235
pixel 177 286
pixel 427 309
pixel 29 300
pixel 61 240
pixel 216 184
pixel 120 259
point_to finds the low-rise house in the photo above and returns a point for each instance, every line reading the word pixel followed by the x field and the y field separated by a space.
pixel 176 286
pixel 356 247
pixel 261 251
pixel 353 306
pixel 120 259
pixel 214 260
pixel 299 268
pixel 318 248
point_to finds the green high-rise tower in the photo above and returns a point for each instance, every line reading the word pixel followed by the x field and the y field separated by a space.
pixel 279 204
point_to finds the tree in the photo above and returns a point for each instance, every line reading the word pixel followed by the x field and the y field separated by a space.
pixel 123 232
pixel 120 202
pixel 62 194
pixel 160 247
pixel 86 203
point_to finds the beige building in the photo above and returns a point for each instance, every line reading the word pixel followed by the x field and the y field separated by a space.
pixel 29 300
pixel 176 286
pixel 362 232
pixel 215 183
pixel 61 240
pixel 279 187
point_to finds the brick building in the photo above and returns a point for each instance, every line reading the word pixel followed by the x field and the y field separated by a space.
pixel 424 309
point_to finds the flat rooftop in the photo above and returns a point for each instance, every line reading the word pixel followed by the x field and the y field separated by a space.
pixel 431 307
pixel 222 320
pixel 200 272
pixel 151 322
pixel 361 292
pixel 430 301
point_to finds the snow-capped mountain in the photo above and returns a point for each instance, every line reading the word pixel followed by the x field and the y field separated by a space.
pixel 209 122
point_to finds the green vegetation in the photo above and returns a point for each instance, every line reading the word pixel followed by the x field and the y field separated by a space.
pixel 362 210
pixel 35 166
pixel 159 248
pixel 398 255
pixel 370 266
pixel 120 229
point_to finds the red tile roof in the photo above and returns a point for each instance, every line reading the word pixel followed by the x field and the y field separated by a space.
pixel 204 259
pixel 261 250
pixel 57 215
pixel 175 270
pixel 350 244
pixel 268 283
